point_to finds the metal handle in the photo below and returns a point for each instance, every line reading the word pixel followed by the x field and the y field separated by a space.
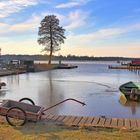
pixel 63 102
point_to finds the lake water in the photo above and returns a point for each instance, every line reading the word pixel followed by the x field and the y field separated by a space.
pixel 92 83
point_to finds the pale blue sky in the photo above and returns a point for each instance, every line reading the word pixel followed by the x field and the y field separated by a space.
pixel 93 27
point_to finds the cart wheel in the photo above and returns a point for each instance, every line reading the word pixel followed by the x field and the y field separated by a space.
pixel 16 116
pixel 27 99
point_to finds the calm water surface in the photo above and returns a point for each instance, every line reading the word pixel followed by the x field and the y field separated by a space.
pixel 92 83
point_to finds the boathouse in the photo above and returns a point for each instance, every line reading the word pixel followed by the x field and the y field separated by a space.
pixel 135 62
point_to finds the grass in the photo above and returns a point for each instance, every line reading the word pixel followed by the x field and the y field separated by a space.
pixel 42 131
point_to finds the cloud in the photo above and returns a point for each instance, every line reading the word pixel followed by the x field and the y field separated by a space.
pixel 32 24
pixel 100 34
pixel 73 20
pixel 76 19
pixel 28 46
pixel 3 28
pixel 67 5
pixel 72 3
pixel 131 49
pixel 89 39
pixel 27 27
pixel 8 7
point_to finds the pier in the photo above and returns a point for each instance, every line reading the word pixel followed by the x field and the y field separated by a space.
pixel 101 122
pixel 44 67
pixel 11 72
pixel 124 67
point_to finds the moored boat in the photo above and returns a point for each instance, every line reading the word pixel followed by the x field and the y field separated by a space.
pixel 2 84
pixel 66 66
pixel 131 90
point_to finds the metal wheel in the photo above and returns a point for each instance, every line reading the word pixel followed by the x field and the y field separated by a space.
pixel 28 100
pixel 16 116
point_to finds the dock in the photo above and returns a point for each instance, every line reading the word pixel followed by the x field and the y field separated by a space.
pixel 11 72
pixel 44 67
pixel 124 67
pixel 101 122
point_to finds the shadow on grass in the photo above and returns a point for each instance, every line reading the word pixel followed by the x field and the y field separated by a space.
pixel 52 131
pixel 41 130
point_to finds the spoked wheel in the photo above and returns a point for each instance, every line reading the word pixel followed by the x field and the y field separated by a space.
pixel 27 100
pixel 16 116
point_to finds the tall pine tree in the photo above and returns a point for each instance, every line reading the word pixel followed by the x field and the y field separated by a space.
pixel 51 35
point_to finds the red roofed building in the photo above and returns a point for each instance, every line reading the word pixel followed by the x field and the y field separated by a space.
pixel 135 63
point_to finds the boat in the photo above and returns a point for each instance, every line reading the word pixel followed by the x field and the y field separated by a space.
pixel 131 90
pixel 2 84
pixel 65 66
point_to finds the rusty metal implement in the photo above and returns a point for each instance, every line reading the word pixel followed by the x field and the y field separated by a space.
pixel 17 113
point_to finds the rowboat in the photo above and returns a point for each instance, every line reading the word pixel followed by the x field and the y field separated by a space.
pixel 131 90
pixel 2 84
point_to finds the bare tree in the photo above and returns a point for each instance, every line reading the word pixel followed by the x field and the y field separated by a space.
pixel 51 35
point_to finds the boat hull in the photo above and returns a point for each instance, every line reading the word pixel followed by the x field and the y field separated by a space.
pixel 131 91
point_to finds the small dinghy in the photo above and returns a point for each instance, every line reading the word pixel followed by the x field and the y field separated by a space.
pixel 131 90
pixel 2 84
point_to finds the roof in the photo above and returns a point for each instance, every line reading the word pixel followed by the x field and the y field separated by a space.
pixel 131 85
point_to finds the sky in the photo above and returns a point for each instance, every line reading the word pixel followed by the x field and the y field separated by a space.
pixel 93 27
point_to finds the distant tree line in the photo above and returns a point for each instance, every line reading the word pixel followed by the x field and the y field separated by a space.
pixel 64 58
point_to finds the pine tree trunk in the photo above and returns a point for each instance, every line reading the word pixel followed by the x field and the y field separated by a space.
pixel 50 57
pixel 51 47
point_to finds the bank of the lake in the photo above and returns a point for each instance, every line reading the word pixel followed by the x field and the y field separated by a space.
pixel 32 131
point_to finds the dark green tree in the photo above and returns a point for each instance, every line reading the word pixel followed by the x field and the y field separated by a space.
pixel 51 35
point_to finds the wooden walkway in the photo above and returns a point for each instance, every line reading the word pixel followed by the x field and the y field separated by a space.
pixel 11 72
pixel 124 67
pixel 102 122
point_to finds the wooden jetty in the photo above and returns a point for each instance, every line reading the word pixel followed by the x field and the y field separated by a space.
pixel 11 72
pixel 44 67
pixel 101 122
pixel 124 67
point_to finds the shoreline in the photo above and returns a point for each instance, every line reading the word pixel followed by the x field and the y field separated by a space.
pixel 43 131
pixel 37 68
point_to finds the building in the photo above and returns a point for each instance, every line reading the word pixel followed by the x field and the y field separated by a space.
pixel 135 62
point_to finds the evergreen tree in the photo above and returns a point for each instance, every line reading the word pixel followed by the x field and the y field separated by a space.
pixel 51 35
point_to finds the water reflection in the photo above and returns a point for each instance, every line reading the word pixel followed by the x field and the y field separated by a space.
pixel 2 92
pixel 137 72
pixel 133 106
pixel 13 80
pixel 50 93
